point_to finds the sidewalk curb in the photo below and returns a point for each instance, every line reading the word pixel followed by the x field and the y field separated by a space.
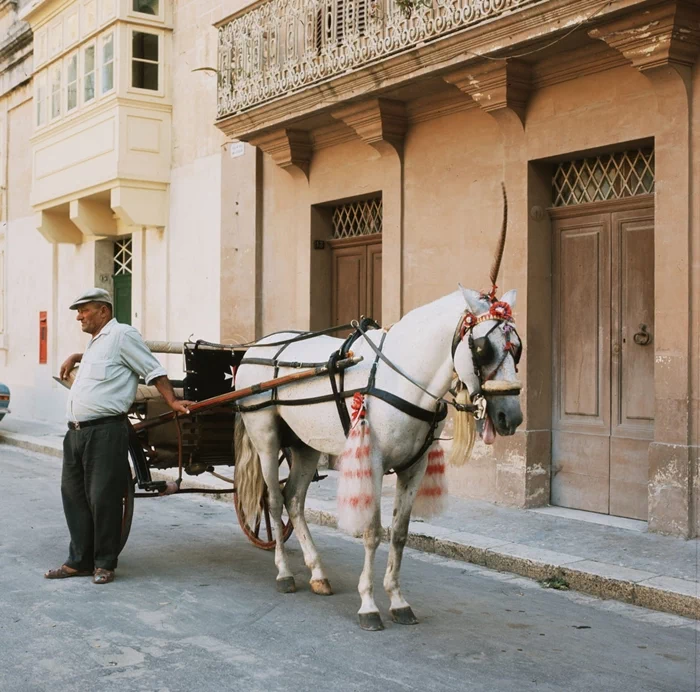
pixel 665 594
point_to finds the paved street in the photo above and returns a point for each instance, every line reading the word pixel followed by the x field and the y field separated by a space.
pixel 195 607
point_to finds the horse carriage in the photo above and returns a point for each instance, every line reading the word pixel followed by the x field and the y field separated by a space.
pixel 378 400
pixel 203 442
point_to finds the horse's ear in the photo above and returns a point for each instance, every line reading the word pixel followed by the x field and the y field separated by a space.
pixel 473 299
pixel 510 297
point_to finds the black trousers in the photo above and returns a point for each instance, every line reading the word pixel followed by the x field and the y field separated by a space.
pixel 93 482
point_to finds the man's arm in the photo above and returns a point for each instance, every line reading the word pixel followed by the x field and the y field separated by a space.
pixel 164 386
pixel 68 364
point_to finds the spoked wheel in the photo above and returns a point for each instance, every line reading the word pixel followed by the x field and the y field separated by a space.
pixel 260 531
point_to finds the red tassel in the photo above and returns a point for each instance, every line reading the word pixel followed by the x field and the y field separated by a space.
pixel 431 498
pixel 356 500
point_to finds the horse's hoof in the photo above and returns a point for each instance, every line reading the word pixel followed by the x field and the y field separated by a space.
pixel 372 622
pixel 404 616
pixel 322 587
pixel 286 585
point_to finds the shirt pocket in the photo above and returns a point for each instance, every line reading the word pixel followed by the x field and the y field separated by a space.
pixel 95 371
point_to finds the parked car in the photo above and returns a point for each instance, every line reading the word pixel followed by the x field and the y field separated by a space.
pixel 4 400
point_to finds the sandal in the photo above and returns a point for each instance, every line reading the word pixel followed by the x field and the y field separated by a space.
pixel 103 576
pixel 64 572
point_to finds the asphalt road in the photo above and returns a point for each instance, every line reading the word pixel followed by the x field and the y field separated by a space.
pixel 194 608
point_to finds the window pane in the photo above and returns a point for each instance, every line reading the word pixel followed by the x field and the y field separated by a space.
pixel 107 77
pixel 89 87
pixel 108 49
pixel 56 92
pixel 145 46
pixel 144 75
pixel 72 96
pixel 40 97
pixel 145 6
pixel 89 57
pixel 72 71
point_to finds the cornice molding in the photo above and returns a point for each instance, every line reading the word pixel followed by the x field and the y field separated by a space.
pixel 666 34
pixel 496 86
pixel 19 36
pixel 381 123
pixel 289 149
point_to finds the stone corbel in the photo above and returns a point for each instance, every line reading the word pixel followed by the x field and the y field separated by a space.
pixel 501 88
pixel 289 149
pixel 666 35
pixel 381 123
pixel 57 228
pixel 94 219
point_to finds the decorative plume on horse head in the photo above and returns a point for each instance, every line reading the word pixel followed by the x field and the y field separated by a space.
pixel 382 415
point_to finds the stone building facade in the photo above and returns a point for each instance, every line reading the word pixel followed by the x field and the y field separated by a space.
pixel 257 166
pixel 588 112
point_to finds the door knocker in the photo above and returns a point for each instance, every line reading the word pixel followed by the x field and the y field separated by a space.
pixel 642 337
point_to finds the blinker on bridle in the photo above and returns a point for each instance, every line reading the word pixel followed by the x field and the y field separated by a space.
pixel 481 347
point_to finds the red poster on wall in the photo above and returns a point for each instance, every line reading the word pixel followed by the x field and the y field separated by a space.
pixel 43 337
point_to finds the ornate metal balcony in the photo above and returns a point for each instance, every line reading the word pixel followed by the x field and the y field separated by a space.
pixel 278 47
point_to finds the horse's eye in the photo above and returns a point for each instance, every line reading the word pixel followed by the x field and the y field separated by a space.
pixel 482 350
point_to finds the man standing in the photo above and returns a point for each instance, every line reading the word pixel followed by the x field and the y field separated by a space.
pixel 95 449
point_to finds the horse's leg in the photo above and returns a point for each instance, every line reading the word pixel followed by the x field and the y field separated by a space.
pixel 407 484
pixel 368 614
pixel 264 434
pixel 303 468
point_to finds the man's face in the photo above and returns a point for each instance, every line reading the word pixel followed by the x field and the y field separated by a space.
pixel 92 317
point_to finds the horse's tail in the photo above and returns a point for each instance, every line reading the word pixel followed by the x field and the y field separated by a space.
pixel 464 431
pixel 248 473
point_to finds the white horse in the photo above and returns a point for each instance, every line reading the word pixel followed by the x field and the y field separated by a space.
pixel 429 344
pixel 465 333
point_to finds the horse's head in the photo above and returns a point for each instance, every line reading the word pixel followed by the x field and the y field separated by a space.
pixel 486 352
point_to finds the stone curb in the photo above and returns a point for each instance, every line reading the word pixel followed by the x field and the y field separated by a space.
pixel 665 594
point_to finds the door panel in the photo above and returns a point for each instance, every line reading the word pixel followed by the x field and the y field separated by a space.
pixel 581 425
pixel 632 363
pixel 349 286
pixel 374 282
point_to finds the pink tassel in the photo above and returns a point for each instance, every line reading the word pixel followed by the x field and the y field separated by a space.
pixel 431 499
pixel 356 500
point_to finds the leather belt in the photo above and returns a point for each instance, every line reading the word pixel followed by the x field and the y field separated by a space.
pixel 79 425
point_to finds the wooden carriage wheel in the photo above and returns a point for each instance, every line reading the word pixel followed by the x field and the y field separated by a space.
pixel 261 533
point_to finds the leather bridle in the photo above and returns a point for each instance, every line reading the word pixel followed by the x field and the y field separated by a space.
pixel 482 350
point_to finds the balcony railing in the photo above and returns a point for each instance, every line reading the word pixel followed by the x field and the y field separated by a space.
pixel 281 46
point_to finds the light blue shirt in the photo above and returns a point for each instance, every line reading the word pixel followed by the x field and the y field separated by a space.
pixel 109 373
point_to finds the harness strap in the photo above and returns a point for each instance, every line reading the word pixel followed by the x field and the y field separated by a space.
pixel 339 403
pixel 296 402
pixel 439 415
pixel 408 408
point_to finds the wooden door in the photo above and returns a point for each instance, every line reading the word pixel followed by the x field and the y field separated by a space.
pixel 603 290
pixel 356 279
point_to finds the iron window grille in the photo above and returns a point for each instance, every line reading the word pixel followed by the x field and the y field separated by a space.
pixel 122 256
pixel 611 176
pixel 357 219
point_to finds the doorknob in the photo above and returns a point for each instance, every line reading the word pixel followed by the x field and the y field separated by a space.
pixel 643 336
pixel 616 349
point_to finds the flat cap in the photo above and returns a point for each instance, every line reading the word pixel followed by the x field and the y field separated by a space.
pixel 92 295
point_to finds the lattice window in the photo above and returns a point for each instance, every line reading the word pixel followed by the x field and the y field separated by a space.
pixel 612 176
pixel 122 256
pixel 357 218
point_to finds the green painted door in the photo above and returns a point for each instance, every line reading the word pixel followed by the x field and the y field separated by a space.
pixel 122 298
